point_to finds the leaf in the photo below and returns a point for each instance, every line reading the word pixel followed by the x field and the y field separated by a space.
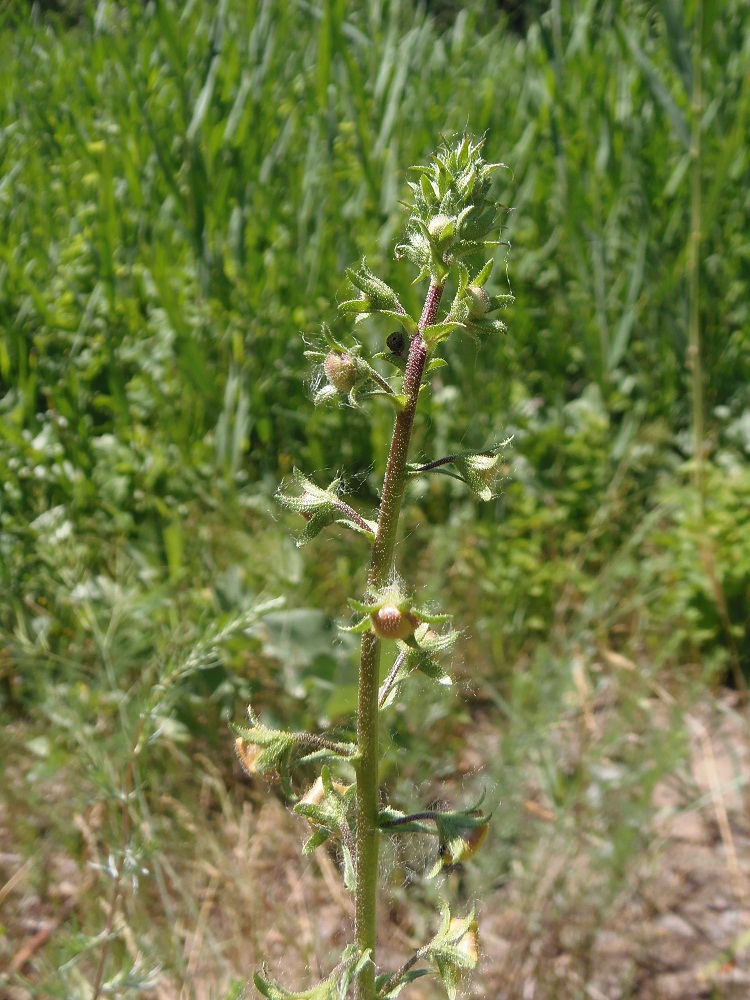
pixel 678 39
pixel 204 100
pixel 323 991
pixel 410 325
pixel 434 364
pixel 396 400
pixel 481 277
pixel 437 332
pixel 368 532
pixel 355 306
pixel 318 838
pixel 364 625
pixel 378 296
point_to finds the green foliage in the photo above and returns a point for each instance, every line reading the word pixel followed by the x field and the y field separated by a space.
pixel 700 560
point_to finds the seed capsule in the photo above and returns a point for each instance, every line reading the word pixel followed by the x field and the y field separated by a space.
pixel 341 370
pixel 390 623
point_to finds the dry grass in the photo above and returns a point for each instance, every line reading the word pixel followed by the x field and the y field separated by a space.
pixel 226 886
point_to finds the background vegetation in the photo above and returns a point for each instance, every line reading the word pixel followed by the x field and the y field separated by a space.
pixel 181 187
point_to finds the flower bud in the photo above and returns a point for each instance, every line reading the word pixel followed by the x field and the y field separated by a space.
pixel 315 794
pixel 467 944
pixel 466 846
pixel 485 466
pixel 390 623
pixel 341 370
pixel 247 755
pixel 479 301
pixel 438 225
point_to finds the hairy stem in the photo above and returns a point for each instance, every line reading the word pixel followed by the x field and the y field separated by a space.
pixel 367 711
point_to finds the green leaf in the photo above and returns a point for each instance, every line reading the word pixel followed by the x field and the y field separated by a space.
pixel 204 100
pixel 397 401
pixel 369 531
pixel 481 276
pixel 362 626
pixel 437 332
pixel 318 838
pixel 434 364
pixel 355 306
pixel 410 325
pixel 323 991
pixel 378 296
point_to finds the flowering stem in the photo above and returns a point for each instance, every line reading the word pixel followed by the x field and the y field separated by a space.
pixel 367 711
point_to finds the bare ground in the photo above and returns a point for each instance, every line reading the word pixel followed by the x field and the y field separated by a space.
pixel 235 891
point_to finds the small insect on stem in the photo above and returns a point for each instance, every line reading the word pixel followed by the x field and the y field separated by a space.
pixel 397 343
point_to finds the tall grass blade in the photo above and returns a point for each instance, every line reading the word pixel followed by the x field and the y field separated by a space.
pixel 657 86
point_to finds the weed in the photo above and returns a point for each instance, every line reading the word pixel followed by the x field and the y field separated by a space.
pixel 453 218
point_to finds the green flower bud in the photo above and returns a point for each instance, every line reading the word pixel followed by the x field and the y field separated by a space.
pixel 479 301
pixel 438 224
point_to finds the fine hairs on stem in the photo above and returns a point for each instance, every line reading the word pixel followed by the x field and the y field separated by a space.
pixel 454 222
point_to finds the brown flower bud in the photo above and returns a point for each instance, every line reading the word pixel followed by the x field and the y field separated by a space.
pixel 472 839
pixel 315 794
pixel 247 755
pixel 467 944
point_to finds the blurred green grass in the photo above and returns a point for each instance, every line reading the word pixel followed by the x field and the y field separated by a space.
pixel 181 187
